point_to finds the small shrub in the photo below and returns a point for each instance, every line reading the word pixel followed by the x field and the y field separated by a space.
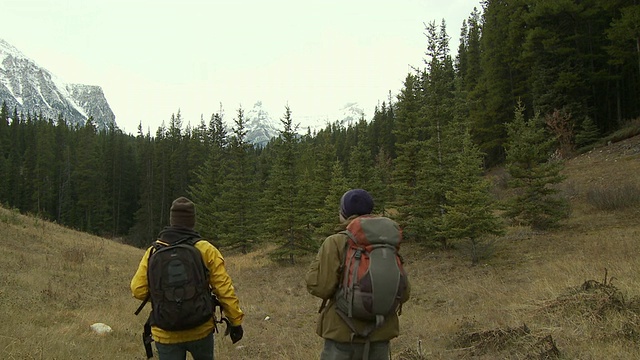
pixel 478 249
pixel 614 197
pixel 561 125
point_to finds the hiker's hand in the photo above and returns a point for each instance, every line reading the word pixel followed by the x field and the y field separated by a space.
pixel 236 332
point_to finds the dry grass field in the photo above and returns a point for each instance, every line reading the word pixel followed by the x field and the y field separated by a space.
pixel 573 293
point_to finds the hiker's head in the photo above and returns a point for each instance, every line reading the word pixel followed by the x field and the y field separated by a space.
pixel 356 202
pixel 183 213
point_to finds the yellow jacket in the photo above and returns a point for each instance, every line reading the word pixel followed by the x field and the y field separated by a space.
pixel 220 282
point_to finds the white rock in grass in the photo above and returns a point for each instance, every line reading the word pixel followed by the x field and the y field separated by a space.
pixel 101 329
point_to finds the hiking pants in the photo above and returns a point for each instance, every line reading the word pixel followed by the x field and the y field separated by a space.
pixel 199 349
pixel 334 350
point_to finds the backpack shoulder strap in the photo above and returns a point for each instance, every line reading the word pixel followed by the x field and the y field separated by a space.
pixel 340 269
pixel 154 247
pixel 189 240
pixel 344 251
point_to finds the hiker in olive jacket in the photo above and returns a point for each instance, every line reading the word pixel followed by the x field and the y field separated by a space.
pixel 323 278
pixel 198 340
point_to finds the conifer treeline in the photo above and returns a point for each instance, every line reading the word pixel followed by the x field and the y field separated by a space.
pixel 420 155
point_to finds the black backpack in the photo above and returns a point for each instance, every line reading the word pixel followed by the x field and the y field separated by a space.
pixel 178 286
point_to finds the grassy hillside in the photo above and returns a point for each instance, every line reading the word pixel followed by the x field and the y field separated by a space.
pixel 571 294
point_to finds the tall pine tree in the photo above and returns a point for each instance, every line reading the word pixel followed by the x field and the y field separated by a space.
pixel 238 214
pixel 288 218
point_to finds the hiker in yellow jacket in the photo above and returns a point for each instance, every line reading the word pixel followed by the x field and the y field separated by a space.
pixel 197 340
pixel 323 278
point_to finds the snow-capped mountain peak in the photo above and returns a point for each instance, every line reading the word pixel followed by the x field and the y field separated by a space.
pixel 261 128
pixel 32 89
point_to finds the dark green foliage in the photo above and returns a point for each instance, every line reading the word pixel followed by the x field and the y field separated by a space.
pixel 329 213
pixel 380 131
pixel 381 183
pixel 627 130
pixel 410 137
pixel 287 198
pixel 413 155
pixel 587 133
pixel 623 49
pixel 146 221
pixel 5 148
pixel 533 174
pixel 360 163
pixel 424 145
pixel 238 212
pixel 502 78
pixel 470 210
pixel 87 176
pixel 209 176
pixel 319 159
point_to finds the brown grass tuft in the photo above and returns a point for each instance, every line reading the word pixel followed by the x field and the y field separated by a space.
pixel 614 197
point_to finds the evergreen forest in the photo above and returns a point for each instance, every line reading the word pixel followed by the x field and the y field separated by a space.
pixel 531 83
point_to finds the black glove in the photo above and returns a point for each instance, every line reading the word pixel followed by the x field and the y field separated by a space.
pixel 235 333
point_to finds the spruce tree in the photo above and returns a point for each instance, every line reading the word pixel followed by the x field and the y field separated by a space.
pixel 28 167
pixel 533 174
pixel 207 189
pixel 329 213
pixel 442 144
pixel 5 149
pixel 587 133
pixel 360 167
pixel 288 219
pixel 87 182
pixel 63 143
pixel 146 216
pixel 15 182
pixel 470 210
pixel 381 182
pixel 324 155
pixel 237 209
pixel 45 171
pixel 425 153
pixel 314 166
pixel 410 133
pixel 502 79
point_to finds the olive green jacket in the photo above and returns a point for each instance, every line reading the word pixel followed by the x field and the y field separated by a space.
pixel 323 278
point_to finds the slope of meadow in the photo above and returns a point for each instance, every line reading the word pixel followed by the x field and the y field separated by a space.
pixel 572 293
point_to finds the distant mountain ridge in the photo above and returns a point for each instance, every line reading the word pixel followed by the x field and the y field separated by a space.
pixel 261 127
pixel 32 89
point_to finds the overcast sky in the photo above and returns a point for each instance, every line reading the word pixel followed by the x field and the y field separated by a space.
pixel 155 57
